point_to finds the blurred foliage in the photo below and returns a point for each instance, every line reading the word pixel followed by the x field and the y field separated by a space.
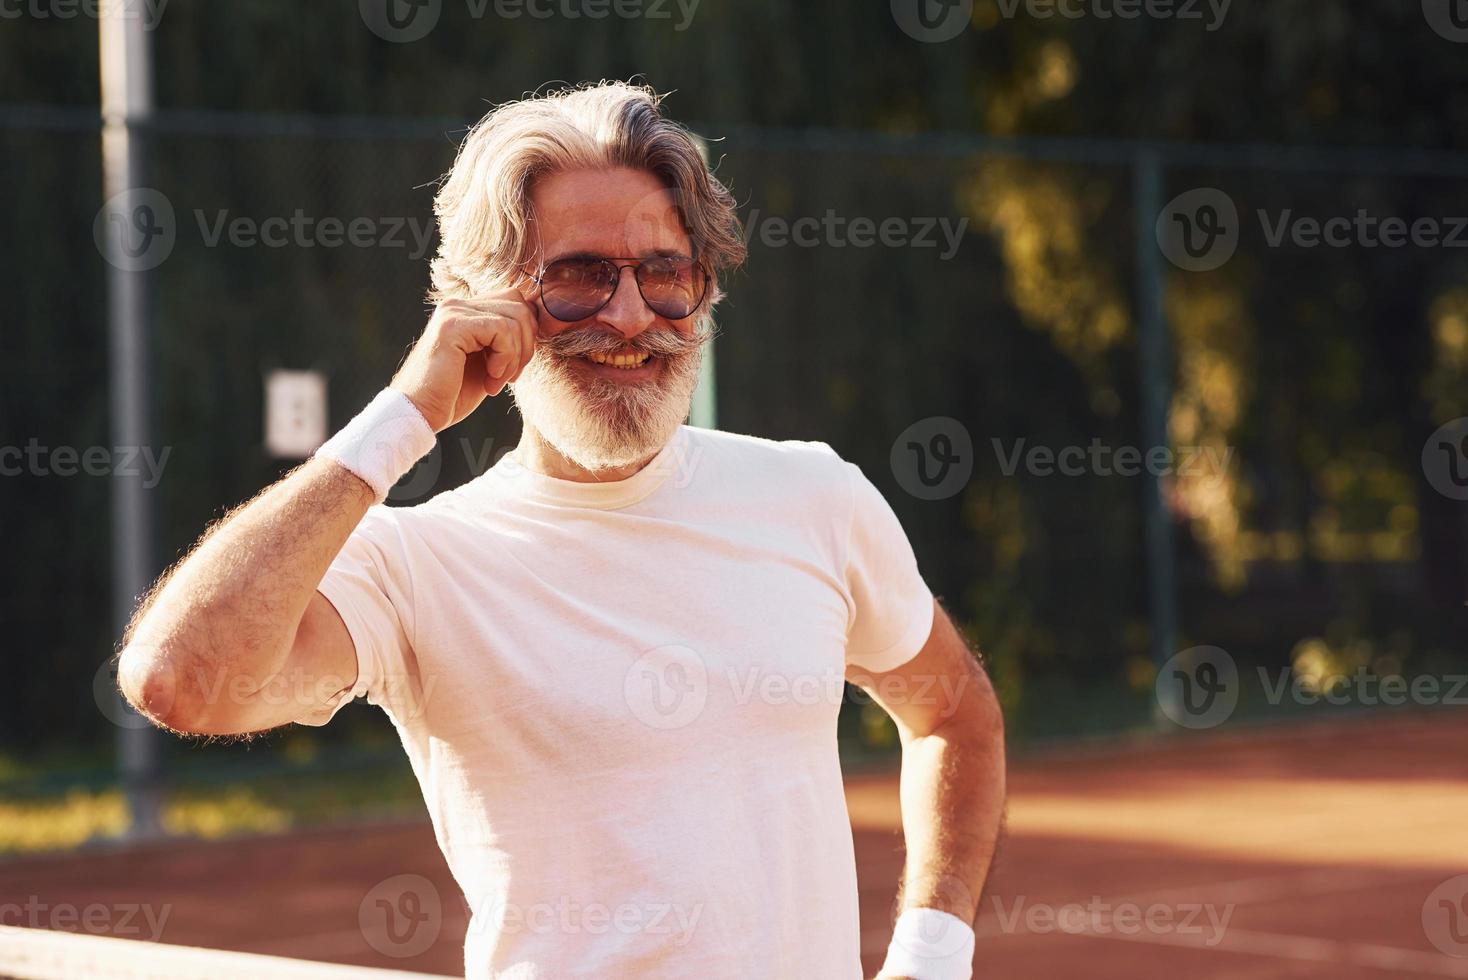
pixel 194 806
pixel 1321 371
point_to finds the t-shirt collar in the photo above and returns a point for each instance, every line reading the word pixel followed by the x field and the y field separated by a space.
pixel 610 495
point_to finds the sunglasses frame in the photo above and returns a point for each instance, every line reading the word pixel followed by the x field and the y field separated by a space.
pixel 619 263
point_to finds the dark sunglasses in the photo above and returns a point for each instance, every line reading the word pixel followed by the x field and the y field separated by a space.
pixel 574 288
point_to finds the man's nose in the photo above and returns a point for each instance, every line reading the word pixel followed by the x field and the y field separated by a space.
pixel 627 313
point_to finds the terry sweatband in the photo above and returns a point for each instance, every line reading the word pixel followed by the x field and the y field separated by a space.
pixel 930 945
pixel 383 442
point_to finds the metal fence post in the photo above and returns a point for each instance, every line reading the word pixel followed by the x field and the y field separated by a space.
pixel 127 103
pixel 1156 378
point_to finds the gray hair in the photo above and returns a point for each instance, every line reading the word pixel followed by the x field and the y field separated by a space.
pixel 483 204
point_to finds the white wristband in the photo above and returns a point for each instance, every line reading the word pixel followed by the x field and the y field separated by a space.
pixel 930 945
pixel 383 442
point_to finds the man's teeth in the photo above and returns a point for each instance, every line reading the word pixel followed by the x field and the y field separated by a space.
pixel 620 360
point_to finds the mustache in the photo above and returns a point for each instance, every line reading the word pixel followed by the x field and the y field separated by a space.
pixel 658 343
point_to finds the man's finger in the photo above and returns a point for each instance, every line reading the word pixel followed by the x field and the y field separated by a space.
pixel 527 349
pixel 504 354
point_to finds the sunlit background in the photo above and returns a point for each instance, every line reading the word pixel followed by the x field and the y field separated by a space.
pixel 988 229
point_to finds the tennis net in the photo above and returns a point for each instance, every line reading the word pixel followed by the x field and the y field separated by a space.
pixel 45 954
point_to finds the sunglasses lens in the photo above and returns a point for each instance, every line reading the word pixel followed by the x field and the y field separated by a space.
pixel 574 289
pixel 672 287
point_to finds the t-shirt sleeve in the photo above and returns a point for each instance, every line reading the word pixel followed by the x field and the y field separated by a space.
pixel 891 606
pixel 365 584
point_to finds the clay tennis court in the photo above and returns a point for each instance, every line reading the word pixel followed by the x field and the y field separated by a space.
pixel 1306 851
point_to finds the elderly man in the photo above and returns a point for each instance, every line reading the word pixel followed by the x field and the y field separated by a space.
pixel 616 658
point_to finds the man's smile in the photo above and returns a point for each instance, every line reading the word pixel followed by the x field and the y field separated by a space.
pixel 620 366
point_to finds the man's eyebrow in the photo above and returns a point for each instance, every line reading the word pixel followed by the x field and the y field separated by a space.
pixel 577 256
pixel 656 253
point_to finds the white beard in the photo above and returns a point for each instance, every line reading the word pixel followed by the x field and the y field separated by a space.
pixel 603 425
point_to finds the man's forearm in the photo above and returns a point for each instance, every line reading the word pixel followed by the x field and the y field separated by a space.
pixel 952 793
pixel 231 608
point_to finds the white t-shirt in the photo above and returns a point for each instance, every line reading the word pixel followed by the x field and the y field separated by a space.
pixel 620 700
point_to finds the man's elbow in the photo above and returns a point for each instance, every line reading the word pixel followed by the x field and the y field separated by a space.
pixel 150 683
pixel 155 683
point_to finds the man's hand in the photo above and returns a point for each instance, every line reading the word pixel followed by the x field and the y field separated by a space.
pixel 470 349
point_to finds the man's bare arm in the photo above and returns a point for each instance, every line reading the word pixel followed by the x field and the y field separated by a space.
pixel 953 769
pixel 239 620
pixel 242 609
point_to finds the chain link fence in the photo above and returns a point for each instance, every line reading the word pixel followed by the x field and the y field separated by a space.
pixel 955 316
